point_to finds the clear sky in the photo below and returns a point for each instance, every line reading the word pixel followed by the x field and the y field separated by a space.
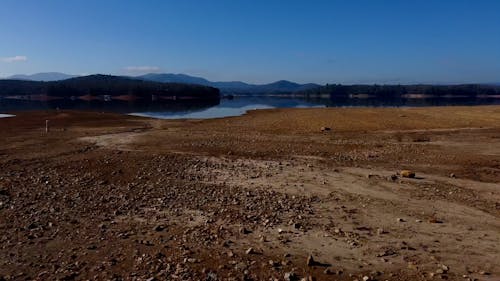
pixel 350 41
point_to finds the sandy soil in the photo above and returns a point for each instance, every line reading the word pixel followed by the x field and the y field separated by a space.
pixel 112 197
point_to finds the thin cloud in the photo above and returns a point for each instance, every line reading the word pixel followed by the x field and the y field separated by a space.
pixel 14 59
pixel 142 69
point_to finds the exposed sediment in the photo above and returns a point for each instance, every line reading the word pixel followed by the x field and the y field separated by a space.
pixel 269 195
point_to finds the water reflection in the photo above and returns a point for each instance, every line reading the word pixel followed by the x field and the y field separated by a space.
pixel 117 106
pixel 240 105
pixel 227 107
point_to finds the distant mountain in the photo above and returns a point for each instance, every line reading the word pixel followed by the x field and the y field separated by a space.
pixel 286 86
pixel 45 76
pixel 99 86
pixel 233 87
pixel 175 78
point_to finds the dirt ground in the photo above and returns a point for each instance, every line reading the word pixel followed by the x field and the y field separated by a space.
pixel 264 196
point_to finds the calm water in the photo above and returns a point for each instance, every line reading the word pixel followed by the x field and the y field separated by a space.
pixel 225 107
pixel 234 107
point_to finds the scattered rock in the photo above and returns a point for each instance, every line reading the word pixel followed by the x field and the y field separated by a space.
pixel 290 276
pixel 393 177
pixel 435 220
pixel 180 201
pixel 326 129
pixel 274 264
pixel 407 174
pixel 250 251
pixel 311 261
pixel 445 268
pixel 386 253
pixel 244 230
pixel 159 227
pixel 211 277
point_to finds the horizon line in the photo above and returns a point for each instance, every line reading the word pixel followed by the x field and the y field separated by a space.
pixel 249 83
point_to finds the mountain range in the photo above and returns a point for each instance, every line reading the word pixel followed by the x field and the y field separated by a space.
pixel 233 87
pixel 45 76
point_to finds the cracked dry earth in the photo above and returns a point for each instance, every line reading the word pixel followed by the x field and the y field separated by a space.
pixel 265 196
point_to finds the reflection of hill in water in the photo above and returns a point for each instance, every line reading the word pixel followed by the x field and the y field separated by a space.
pixel 227 107
pixel 278 102
pixel 285 102
pixel 9 105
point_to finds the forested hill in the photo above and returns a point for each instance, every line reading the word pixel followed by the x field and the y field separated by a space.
pixel 106 85
pixel 396 91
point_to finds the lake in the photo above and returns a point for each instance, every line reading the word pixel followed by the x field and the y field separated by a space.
pixel 227 107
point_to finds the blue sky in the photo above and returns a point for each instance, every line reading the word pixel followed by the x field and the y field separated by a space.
pixel 440 41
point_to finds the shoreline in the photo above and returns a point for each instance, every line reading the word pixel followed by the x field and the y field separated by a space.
pixel 353 107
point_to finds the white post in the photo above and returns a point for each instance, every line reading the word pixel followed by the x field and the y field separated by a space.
pixel 46 126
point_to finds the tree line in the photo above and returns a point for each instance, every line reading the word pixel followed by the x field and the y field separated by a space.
pixel 396 91
pixel 106 85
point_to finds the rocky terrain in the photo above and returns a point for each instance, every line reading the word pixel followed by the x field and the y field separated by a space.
pixel 295 194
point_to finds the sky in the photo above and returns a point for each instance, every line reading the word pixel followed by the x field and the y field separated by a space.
pixel 257 41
